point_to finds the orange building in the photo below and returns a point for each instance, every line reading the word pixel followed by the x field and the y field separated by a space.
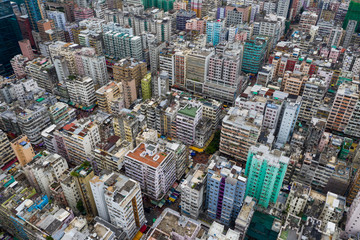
pixel 23 149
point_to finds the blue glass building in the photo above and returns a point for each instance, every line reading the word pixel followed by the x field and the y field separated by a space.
pixel 34 11
pixel 10 34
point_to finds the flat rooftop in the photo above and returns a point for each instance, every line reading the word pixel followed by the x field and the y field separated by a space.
pixel 189 111
pixel 171 221
pixel 148 155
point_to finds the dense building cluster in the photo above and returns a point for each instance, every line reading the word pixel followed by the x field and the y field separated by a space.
pixel 184 120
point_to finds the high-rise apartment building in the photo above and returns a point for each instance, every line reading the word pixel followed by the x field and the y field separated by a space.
pixel 350 29
pixel 343 107
pixel 354 189
pixel 187 119
pixel 333 210
pixel 213 30
pixel 26 49
pixel 23 149
pixel 44 27
pixel 82 175
pixel 255 51
pixel 293 82
pixel 58 17
pixel 25 28
pixel 233 16
pixel 225 190
pixel 298 197
pixel 81 91
pixel 180 68
pixel 109 155
pixel 61 113
pixel 307 20
pixel 6 152
pixel 283 8
pixel 43 72
pixel 18 64
pixel 106 94
pixel 80 137
pixel 196 70
pixel 10 35
pixel 246 213
pixel 240 130
pixel 94 66
pixel 32 120
pixel 121 45
pixel 314 92
pixel 45 169
pixel 129 72
pixel 146 92
pixel 288 121
pixel 127 125
pixel 153 166
pixel 265 170
pixel 69 188
pixel 182 17
pixel 121 198
pixel 223 75
pixel 352 14
pixel 212 110
pixel 352 227
pixel 193 191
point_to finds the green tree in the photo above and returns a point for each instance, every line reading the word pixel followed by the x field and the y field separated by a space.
pixel 80 206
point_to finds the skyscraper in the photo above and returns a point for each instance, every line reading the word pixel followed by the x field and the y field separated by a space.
pixel 35 14
pixel 265 170
pixel 10 34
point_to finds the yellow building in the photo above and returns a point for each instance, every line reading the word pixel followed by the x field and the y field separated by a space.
pixel 146 86
pixel 23 149
pixel 82 175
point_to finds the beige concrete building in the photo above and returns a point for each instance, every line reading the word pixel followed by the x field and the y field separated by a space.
pixel 108 93
pixel 80 137
pixel 293 83
pixel 23 149
pixel 240 130
pixel 129 72
pixel 153 166
pixel 243 220
pixel 82 176
pixel 343 107
pixel 109 155
pixel 6 152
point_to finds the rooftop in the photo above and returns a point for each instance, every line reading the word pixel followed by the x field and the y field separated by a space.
pixel 149 154
pixel 189 110
pixel 170 222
